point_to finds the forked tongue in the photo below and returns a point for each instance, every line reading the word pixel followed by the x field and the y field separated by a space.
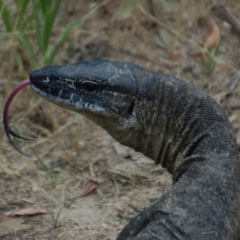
pixel 8 130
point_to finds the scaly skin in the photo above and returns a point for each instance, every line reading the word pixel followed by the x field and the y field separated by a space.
pixel 169 121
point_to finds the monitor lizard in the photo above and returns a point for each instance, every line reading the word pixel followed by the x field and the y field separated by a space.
pixel 173 123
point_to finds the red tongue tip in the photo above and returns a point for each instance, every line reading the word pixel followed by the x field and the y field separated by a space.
pixel 8 131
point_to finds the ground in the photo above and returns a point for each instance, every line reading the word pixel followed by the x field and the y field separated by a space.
pixel 71 153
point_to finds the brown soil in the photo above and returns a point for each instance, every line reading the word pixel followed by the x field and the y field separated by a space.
pixel 161 37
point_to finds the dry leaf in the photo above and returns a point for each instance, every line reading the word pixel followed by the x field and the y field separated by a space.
pixel 213 36
pixel 12 226
pixel 4 218
pixel 174 56
pixel 28 211
pixel 91 186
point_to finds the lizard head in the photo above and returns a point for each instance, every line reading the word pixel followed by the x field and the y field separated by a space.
pixel 101 90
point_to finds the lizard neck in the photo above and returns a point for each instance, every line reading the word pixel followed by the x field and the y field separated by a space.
pixel 180 121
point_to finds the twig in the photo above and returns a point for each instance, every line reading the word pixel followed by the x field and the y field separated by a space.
pixel 230 18
pixel 235 79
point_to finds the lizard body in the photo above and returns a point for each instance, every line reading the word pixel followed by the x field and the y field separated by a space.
pixel 170 121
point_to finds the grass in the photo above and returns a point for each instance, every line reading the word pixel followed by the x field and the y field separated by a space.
pixel 211 55
pixel 33 28
pixel 50 174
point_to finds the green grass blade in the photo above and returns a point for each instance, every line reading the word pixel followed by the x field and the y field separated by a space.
pixel 27 46
pixel 45 6
pixel 22 13
pixel 23 7
pixel 52 53
pixel 21 4
pixel 49 22
pixel 55 9
pixel 6 17
pixel 38 25
pixel 212 54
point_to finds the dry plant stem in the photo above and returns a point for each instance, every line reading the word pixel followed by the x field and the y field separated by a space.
pixel 230 18
pixel 8 130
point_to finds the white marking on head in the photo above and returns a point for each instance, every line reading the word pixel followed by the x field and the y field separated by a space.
pixel 46 80
pixel 60 93
pixel 70 83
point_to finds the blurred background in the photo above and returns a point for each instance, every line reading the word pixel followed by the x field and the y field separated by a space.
pixel 79 183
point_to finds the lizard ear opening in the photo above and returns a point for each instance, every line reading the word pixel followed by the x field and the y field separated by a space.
pixel 130 109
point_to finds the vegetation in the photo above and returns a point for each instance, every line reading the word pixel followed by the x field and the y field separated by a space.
pixel 33 28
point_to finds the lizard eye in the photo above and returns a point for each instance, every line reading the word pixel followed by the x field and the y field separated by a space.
pixel 87 86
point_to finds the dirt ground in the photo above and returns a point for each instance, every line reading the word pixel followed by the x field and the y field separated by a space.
pixel 71 153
